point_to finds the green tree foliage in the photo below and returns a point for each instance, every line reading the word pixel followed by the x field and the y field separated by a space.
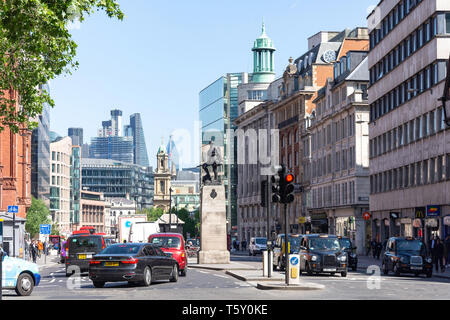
pixel 55 230
pixel 190 222
pixel 36 215
pixel 153 214
pixel 35 47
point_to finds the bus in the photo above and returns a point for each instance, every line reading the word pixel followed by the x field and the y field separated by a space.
pixel 90 229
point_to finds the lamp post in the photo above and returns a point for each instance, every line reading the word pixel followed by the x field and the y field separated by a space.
pixel 170 208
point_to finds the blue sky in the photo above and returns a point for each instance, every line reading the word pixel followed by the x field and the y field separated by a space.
pixel 157 60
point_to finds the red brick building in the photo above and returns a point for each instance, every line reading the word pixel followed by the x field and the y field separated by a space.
pixel 15 166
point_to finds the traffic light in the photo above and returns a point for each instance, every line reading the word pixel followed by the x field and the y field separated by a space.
pixel 277 182
pixel 282 186
pixel 289 188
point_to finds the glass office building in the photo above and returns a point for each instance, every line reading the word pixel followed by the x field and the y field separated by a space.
pixel 40 156
pixel 119 180
pixel 112 147
pixel 137 132
pixel 218 107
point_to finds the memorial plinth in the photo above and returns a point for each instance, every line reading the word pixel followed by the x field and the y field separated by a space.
pixel 213 226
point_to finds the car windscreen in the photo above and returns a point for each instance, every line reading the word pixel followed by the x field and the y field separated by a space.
pixel 167 242
pixel 345 243
pixel 85 243
pixel 322 244
pixel 122 249
pixel 410 246
pixel 261 241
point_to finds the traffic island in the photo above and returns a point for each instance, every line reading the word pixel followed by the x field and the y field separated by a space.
pixel 283 286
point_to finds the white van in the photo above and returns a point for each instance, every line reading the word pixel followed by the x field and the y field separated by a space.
pixel 257 245
pixel 141 230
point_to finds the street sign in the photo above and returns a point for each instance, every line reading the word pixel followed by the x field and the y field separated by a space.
pixel 301 220
pixel 366 215
pixel 45 229
pixel 13 209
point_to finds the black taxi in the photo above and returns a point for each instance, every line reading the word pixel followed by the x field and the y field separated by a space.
pixel 322 253
pixel 407 255
pixel 347 246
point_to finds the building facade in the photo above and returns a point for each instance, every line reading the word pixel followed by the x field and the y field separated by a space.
pixel 116 207
pixel 117 179
pixel 40 157
pixel 339 181
pixel 409 141
pixel 60 184
pixel 92 210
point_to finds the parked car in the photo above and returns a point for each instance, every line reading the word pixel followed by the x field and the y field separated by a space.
pixel 133 262
pixel 347 246
pixel 172 244
pixel 279 259
pixel 322 253
pixel 80 249
pixel 257 245
pixel 407 255
pixel 20 275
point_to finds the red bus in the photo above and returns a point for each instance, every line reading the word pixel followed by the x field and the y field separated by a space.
pixel 90 229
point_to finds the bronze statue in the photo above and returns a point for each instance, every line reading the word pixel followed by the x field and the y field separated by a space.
pixel 214 159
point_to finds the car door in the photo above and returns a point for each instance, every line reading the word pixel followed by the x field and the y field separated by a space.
pixel 388 254
pixel 302 253
pixel 152 260
pixel 166 263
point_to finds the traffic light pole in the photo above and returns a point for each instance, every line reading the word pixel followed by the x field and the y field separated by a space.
pixel 286 244
pixel 269 248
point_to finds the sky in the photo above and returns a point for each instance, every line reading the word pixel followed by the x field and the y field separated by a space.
pixel 157 60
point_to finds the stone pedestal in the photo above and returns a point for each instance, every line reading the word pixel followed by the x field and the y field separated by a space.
pixel 213 226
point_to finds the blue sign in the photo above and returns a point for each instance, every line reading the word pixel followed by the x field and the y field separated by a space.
pixel 45 229
pixel 294 261
pixel 433 211
pixel 13 209
pixel 128 224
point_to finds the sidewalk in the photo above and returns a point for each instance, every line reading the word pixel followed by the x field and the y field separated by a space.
pixel 365 261
pixel 233 265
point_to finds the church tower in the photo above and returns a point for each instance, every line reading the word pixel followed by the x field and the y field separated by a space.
pixel 263 58
pixel 162 176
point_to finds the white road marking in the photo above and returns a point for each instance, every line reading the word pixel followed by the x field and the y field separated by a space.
pixel 218 275
pixel 53 280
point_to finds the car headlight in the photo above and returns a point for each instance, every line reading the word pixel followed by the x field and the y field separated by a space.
pixel 404 260
pixel 313 257
pixel 428 260
pixel 342 258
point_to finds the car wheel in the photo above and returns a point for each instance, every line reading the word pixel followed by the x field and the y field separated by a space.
pixel 147 277
pixel 99 284
pixel 344 274
pixel 183 272
pixel 308 270
pixel 25 284
pixel 385 269
pixel 174 275
pixel 396 270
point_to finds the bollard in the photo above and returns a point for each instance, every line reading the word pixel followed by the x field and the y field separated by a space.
pixel 294 269
pixel 265 264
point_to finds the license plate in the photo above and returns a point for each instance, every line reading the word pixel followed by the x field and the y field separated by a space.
pixel 111 264
pixel 82 256
pixel 330 270
pixel 416 268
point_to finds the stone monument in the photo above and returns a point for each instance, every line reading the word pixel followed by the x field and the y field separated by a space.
pixel 213 222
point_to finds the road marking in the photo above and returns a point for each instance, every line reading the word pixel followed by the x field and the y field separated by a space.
pixel 221 276
pixel 53 280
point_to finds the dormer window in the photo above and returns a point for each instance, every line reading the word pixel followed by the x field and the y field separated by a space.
pixel 348 63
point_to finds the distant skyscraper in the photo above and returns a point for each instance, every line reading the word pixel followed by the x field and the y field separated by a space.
pixel 137 132
pixel 40 157
pixel 77 136
pixel 116 123
pixel 174 158
pixel 114 148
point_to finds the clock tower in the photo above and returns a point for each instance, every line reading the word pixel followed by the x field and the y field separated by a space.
pixel 162 176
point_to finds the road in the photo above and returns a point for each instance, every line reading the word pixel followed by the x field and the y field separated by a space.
pixel 216 285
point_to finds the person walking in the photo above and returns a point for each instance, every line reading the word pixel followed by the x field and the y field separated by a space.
pixel 447 251
pixel 373 246
pixel 33 249
pixel 40 248
pixel 439 254
pixel 378 249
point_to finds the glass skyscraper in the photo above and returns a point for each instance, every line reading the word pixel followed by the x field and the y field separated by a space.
pixel 112 147
pixel 139 147
pixel 40 156
pixel 218 107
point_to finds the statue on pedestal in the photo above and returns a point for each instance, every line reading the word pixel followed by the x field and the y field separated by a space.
pixel 214 159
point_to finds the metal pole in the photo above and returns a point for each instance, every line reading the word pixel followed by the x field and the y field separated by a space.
pixel 286 244
pixel 269 248
pixel 1 271
pixel 14 235
pixel 170 209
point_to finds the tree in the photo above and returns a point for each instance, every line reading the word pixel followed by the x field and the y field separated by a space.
pixel 36 215
pixel 153 214
pixel 55 230
pixel 35 47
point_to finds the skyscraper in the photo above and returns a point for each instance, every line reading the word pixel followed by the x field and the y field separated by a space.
pixel 77 136
pixel 139 147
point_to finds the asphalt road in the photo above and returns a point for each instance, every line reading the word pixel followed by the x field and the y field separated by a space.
pixel 216 285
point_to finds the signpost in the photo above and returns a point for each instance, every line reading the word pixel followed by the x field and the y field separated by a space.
pixel 14 210
pixel 45 229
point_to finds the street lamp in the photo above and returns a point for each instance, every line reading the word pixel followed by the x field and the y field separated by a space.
pixel 170 208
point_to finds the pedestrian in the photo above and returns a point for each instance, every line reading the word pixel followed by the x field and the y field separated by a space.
pixel 44 246
pixel 378 248
pixel 33 249
pixel 237 244
pixel 447 248
pixel 373 246
pixel 244 244
pixel 40 248
pixel 234 244
pixel 439 255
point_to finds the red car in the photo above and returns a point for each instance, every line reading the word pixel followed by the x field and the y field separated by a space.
pixel 172 244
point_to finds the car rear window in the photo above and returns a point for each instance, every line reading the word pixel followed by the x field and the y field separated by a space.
pixel 122 249
pixel 85 242
pixel 261 241
pixel 167 242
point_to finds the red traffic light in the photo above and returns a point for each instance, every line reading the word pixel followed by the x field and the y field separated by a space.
pixel 289 178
